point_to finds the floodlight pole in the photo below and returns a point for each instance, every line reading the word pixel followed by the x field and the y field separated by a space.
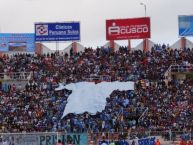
pixel 145 40
pixel 144 7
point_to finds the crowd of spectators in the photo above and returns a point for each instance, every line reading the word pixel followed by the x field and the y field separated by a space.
pixel 157 103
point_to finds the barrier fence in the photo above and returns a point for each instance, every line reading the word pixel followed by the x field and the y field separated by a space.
pixel 43 138
pixel 142 137
pixel 16 76
pixel 181 68
pixel 134 137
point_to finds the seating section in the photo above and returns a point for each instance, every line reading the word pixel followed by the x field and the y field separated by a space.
pixel 37 107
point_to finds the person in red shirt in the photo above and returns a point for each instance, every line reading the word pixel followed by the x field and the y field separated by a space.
pixel 59 142
pixel 190 143
pixel 182 142
pixel 70 142
pixel 157 142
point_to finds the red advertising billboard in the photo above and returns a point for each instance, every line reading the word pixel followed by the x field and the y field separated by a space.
pixel 135 28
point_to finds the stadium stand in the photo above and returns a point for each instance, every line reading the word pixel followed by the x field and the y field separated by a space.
pixel 160 104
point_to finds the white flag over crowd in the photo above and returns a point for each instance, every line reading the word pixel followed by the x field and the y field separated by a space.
pixel 91 97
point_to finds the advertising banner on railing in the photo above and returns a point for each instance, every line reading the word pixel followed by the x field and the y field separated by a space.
pixel 44 138
pixel 23 42
pixel 185 25
pixel 75 139
pixel 135 28
pixel 143 141
pixel 67 31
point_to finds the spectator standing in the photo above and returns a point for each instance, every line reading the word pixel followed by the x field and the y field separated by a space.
pixel 59 142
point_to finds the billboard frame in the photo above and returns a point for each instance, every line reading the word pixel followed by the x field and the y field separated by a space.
pixel 27 38
pixel 57 23
pixel 180 36
pixel 126 20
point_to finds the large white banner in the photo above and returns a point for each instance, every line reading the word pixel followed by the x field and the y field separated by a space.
pixel 91 97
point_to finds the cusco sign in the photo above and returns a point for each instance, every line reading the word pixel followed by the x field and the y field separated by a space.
pixel 120 29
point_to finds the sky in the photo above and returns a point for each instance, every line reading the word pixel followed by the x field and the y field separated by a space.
pixel 19 16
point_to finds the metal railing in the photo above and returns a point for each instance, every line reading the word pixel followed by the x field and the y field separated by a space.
pixel 90 138
pixel 178 69
pixel 93 78
pixel 143 114
pixel 165 137
pixel 16 76
pixel 44 138
pixel 181 68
